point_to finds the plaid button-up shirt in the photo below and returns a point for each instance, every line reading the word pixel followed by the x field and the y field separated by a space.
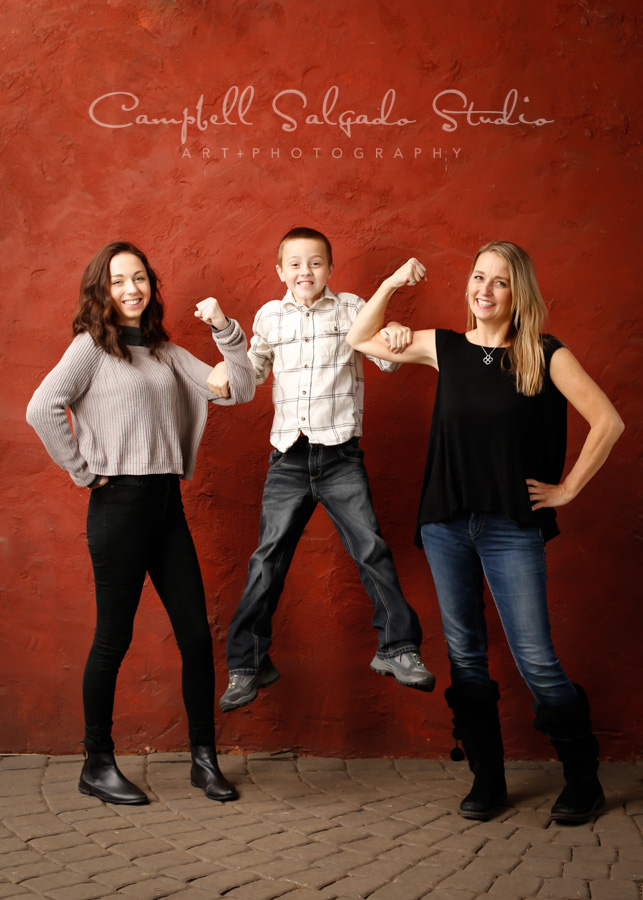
pixel 318 384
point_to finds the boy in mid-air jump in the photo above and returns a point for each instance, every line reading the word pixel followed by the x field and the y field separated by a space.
pixel 317 393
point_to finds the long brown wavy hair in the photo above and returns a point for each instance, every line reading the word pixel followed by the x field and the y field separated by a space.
pixel 96 313
pixel 525 353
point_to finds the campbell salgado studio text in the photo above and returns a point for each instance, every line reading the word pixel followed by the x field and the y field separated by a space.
pixel 452 107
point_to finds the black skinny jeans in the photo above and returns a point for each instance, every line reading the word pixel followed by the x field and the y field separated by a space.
pixel 136 524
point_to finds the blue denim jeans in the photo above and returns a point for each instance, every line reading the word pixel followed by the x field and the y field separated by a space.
pixel 305 475
pixel 135 526
pixel 512 559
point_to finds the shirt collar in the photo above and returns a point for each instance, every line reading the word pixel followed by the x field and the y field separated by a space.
pixel 327 300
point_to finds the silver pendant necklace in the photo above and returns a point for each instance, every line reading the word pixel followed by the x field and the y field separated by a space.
pixel 488 355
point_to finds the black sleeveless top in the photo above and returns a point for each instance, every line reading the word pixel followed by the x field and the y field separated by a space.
pixel 486 438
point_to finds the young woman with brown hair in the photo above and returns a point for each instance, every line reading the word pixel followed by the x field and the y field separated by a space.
pixel 139 405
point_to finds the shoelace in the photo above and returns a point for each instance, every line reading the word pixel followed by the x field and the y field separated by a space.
pixel 415 657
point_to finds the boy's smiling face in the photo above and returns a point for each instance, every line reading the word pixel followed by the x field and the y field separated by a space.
pixel 305 269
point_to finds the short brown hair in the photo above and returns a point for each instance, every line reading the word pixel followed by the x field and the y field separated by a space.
pixel 96 313
pixel 296 234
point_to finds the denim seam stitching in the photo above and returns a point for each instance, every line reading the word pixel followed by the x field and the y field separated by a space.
pixel 349 546
pixel 255 638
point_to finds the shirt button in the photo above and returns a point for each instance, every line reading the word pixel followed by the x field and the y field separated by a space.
pixel 303 392
pixel 303 418
pixel 307 314
pixel 307 340
pixel 306 366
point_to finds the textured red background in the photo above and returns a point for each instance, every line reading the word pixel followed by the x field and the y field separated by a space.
pixel 210 223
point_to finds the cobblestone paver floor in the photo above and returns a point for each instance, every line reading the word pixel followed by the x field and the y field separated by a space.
pixel 307 828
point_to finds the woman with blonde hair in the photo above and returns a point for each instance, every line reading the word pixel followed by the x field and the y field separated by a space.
pixel 488 504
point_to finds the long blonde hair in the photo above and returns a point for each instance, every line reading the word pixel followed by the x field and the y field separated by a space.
pixel 528 311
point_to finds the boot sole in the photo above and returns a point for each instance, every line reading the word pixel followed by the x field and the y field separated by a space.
pixel 427 686
pixel 234 796
pixel 228 706
pixel 106 799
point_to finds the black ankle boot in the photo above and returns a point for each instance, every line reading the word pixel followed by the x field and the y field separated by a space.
pixel 102 778
pixel 489 791
pixel 207 775
pixel 569 728
pixel 475 717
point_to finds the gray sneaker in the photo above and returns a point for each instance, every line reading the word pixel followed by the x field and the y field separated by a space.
pixel 407 669
pixel 242 689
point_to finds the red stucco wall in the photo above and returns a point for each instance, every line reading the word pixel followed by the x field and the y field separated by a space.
pixel 209 210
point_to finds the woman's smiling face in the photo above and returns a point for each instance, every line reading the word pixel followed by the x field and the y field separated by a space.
pixel 488 291
pixel 129 288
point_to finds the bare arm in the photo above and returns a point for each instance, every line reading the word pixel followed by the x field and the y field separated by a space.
pixel 605 427
pixel 365 335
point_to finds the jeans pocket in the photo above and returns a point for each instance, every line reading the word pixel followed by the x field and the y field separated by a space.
pixel 350 451
pixel 275 458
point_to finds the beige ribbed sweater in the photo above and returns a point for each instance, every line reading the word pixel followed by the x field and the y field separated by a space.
pixel 141 418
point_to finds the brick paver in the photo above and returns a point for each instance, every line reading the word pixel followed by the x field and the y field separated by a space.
pixel 312 828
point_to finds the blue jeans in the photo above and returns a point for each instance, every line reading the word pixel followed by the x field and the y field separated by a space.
pixel 307 474
pixel 136 525
pixel 512 559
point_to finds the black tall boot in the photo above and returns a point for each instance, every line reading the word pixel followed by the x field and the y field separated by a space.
pixel 102 778
pixel 207 775
pixel 475 716
pixel 569 728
